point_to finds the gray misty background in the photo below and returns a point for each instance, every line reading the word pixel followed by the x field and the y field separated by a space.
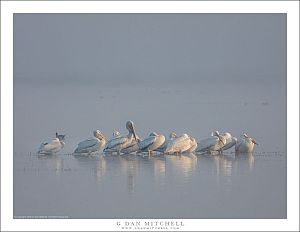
pixel 191 73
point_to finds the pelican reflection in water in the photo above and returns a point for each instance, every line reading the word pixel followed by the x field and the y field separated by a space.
pixel 159 163
pixel 130 167
pixel 183 165
pixel 95 165
pixel 245 161
pixel 53 163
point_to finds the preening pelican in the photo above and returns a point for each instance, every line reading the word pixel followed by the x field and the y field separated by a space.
pixel 245 144
pixel 121 142
pixel 179 145
pixel 212 144
pixel 151 143
pixel 193 147
pixel 230 141
pixel 52 147
pixel 92 145
pixel 132 147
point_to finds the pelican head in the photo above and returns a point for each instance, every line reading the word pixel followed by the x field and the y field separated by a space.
pixel 185 135
pixel 222 139
pixel 116 133
pixel 130 128
pixel 247 137
pixel 98 134
pixel 153 134
pixel 173 135
pixel 253 141
pixel 60 137
pixel 227 135
pixel 215 133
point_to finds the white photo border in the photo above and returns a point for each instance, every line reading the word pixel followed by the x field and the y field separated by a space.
pixel 8 8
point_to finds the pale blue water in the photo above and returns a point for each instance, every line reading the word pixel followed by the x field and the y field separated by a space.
pixel 160 187
pixel 188 186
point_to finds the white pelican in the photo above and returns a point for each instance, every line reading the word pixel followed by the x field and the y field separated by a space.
pixel 121 142
pixel 116 134
pixel 245 144
pixel 179 145
pixel 212 144
pixel 132 147
pixel 54 146
pixel 230 141
pixel 92 145
pixel 151 143
pixel 193 147
pixel 163 147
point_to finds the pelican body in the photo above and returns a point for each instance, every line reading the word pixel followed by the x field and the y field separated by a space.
pixel 52 147
pixel 179 145
pixel 151 143
pixel 245 144
pixel 132 147
pixel 92 145
pixel 193 144
pixel 212 144
pixel 230 141
pixel 121 142
pixel 163 147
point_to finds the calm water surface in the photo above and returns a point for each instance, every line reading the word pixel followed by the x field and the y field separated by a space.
pixel 130 186
pixel 187 186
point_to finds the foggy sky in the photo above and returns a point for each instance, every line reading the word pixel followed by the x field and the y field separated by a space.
pixel 145 47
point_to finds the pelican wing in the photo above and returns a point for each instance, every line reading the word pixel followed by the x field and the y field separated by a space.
pixel 229 143
pixel 179 144
pixel 163 147
pixel 132 147
pixel 206 144
pixel 167 142
pixel 182 143
pixel 116 142
pixel 87 143
pixel 143 145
